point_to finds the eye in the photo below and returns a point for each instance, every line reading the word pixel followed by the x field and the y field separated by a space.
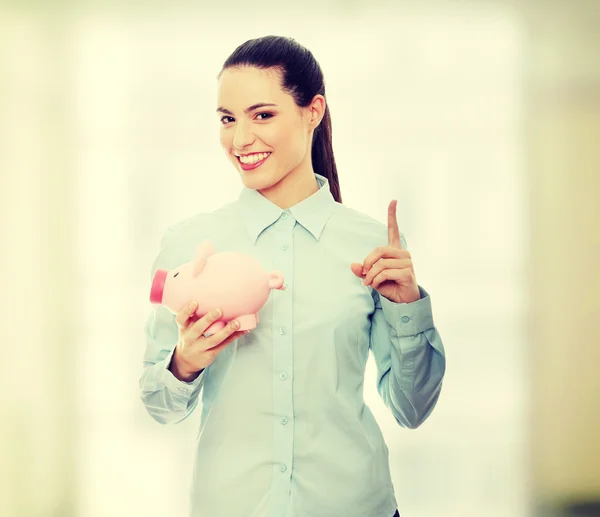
pixel 268 116
pixel 264 113
pixel 175 274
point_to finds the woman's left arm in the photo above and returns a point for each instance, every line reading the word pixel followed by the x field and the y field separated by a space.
pixel 407 348
pixel 409 355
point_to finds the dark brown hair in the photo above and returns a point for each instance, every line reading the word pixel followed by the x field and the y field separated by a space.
pixel 302 78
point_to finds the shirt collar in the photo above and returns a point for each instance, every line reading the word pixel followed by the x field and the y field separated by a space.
pixel 312 213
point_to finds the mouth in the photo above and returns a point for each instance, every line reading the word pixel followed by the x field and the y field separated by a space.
pixel 253 165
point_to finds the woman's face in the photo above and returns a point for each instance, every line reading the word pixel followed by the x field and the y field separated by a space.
pixel 282 129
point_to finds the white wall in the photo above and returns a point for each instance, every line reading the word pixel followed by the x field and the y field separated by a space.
pixel 38 327
pixel 565 281
pixel 108 134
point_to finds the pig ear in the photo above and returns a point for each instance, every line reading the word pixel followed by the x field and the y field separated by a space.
pixel 204 251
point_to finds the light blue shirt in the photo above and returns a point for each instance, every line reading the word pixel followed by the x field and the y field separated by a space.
pixel 285 431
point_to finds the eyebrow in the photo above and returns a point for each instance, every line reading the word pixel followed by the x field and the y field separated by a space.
pixel 247 110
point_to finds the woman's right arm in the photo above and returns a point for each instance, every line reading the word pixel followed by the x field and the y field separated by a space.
pixel 167 398
pixel 174 375
pixel 177 354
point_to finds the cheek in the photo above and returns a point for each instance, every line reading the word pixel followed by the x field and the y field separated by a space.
pixel 271 136
pixel 287 141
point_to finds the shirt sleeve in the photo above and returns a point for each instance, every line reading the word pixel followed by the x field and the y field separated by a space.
pixel 410 357
pixel 167 399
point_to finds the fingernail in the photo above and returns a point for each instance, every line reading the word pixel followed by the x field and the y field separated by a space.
pixel 192 306
pixel 235 324
pixel 217 313
pixel 364 270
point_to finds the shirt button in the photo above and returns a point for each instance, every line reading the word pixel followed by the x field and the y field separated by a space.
pixel 284 215
pixel 282 330
pixel 405 319
pixel 283 467
pixel 284 247
pixel 283 376
pixel 284 420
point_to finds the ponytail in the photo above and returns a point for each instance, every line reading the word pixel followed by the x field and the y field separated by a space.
pixel 323 161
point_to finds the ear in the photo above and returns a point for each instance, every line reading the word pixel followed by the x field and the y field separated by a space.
pixel 317 110
pixel 204 251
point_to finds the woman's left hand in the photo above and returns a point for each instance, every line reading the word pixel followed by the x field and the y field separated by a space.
pixel 389 269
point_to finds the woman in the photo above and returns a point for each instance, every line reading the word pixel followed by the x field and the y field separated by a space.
pixel 284 429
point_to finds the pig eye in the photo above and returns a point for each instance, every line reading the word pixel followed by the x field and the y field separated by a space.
pixel 175 274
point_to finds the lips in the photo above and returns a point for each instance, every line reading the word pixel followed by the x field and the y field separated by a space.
pixel 251 166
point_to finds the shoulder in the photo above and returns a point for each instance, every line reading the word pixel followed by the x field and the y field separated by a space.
pixel 360 222
pixel 363 227
pixel 356 218
pixel 201 225
pixel 181 238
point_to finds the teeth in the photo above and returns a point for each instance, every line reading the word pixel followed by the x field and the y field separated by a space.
pixel 253 158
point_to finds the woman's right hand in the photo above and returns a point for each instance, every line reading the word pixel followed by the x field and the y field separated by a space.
pixel 194 352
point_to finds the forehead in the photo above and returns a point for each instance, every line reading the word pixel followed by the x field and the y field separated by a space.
pixel 239 88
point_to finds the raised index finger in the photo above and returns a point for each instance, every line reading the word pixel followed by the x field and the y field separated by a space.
pixel 393 231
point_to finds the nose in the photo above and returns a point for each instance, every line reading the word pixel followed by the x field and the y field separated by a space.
pixel 158 286
pixel 242 137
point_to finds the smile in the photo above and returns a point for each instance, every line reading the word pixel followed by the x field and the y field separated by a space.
pixel 254 161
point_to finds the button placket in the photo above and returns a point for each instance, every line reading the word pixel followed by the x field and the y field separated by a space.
pixel 282 326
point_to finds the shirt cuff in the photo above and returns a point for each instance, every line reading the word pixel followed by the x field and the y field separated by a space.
pixel 178 387
pixel 409 319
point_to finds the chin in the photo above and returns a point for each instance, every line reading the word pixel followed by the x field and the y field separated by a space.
pixel 258 183
pixel 258 180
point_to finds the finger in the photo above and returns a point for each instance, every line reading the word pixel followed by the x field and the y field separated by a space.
pixel 357 269
pixel 198 328
pixel 387 264
pixel 401 276
pixel 383 252
pixel 223 334
pixel 217 349
pixel 185 314
pixel 226 341
pixel 393 231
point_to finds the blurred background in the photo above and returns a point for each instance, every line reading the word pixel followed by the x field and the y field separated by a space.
pixel 482 118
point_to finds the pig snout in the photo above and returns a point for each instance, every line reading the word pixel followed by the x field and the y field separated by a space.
pixel 158 286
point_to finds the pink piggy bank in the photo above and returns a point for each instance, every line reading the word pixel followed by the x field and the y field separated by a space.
pixel 234 282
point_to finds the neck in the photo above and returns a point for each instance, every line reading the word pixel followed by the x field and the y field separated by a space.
pixel 294 187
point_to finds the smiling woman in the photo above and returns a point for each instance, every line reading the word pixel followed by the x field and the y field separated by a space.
pixel 280 405
pixel 295 131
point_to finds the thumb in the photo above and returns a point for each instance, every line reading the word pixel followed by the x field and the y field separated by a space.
pixel 356 268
